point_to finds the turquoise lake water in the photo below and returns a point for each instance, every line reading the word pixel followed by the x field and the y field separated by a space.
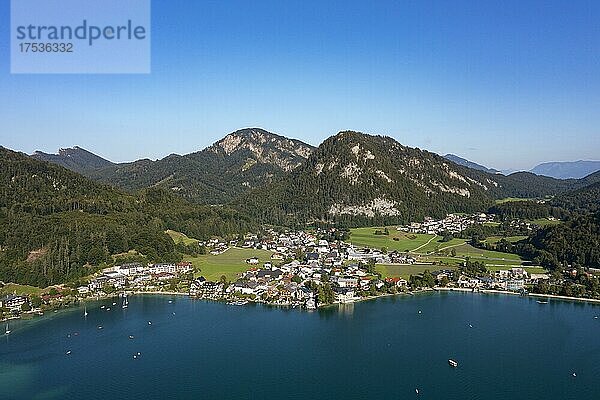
pixel 380 349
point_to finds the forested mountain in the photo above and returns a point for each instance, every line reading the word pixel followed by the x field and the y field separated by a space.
pixel 353 178
pixel 254 158
pixel 470 164
pixel 586 199
pixel 243 160
pixel 75 158
pixel 575 243
pixel 567 169
pixel 55 224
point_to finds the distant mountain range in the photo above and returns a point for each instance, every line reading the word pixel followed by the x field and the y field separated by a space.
pixel 567 169
pixel 469 164
pixel 558 169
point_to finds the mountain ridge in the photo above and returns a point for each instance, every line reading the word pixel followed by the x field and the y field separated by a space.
pixel 354 178
pixel 567 169
pixel 74 158
pixel 470 164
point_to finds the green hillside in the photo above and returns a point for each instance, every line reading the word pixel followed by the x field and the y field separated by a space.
pixel 56 225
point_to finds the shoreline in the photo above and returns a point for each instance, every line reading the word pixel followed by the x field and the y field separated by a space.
pixel 536 295
pixel 358 300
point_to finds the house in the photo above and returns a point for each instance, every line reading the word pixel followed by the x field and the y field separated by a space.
pixel 83 289
pixel 344 295
pixel 245 287
pixel 515 285
pixel 98 283
pixel 398 282
pixel 163 268
pixel 13 302
pixel 252 261
pixel 347 282
pixel 269 274
pixel 129 269
pixel 164 276
pixel 184 267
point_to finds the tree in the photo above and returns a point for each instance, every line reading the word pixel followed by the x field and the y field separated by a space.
pixel 428 279
pixel 36 301
pixel 25 307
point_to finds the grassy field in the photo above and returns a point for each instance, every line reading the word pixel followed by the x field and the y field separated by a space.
pixel 230 263
pixel 179 237
pixel 405 271
pixel 510 199
pixel 437 245
pixel 10 288
pixel 545 222
pixel 496 239
pixel 491 224
pixel 467 250
pixel 396 240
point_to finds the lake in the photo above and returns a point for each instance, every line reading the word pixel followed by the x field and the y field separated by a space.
pixel 379 349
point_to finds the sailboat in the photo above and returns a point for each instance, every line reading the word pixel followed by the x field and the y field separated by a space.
pixel 125 302
pixel 7 331
pixel 85 313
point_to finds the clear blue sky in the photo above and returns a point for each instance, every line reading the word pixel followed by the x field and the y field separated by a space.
pixel 504 83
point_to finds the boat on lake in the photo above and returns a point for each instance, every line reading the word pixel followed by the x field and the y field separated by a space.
pixel 7 331
pixel 452 363
pixel 542 301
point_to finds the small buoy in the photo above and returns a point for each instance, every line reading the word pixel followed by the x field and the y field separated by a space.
pixel 419 311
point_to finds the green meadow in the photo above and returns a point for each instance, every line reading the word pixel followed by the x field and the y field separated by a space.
pixel 179 237
pixel 230 263
pixel 496 239
pixel 396 240
pixel 11 288
pixel 545 222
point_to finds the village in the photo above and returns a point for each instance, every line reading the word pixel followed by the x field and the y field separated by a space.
pixel 304 270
